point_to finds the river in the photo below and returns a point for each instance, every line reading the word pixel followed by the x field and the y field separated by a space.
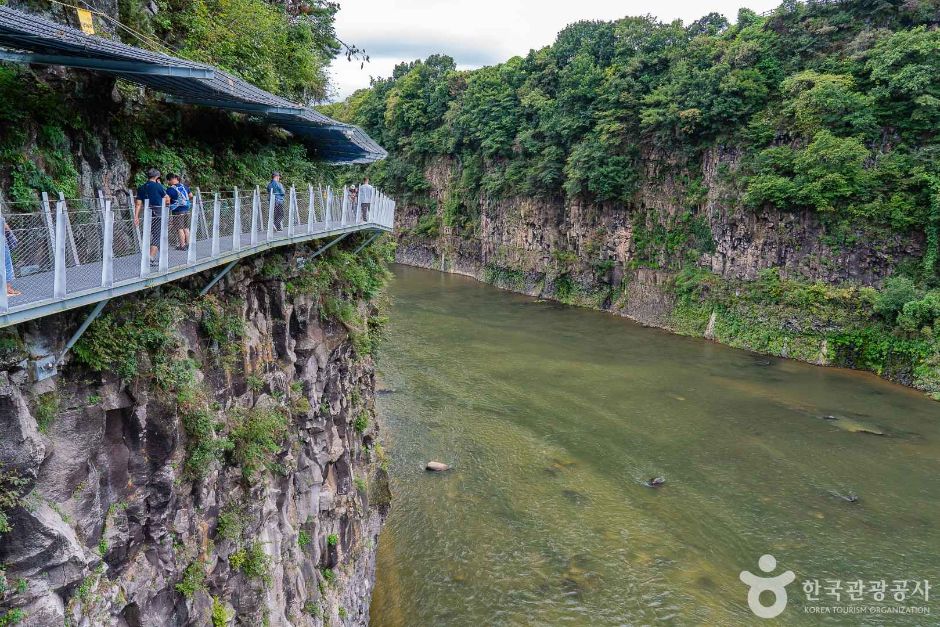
pixel 553 418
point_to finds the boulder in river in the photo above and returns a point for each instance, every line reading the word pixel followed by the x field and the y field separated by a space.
pixel 853 426
pixel 437 466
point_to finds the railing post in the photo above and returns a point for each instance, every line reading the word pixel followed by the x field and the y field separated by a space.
pixel 107 245
pixel 101 203
pixel 130 207
pixel 344 206
pixel 4 299
pixel 291 208
pixel 164 251
pixel 145 239
pixel 193 228
pixel 59 287
pixel 50 225
pixel 270 230
pixel 202 214
pixel 216 217
pixel 68 230
pixel 328 210
pixel 311 210
pixel 255 214
pixel 237 223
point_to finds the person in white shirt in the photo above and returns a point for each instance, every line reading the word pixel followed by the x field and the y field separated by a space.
pixel 365 198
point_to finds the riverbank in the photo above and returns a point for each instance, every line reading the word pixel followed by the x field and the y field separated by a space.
pixel 812 322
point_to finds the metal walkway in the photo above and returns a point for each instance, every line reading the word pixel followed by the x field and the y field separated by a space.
pixel 30 38
pixel 74 253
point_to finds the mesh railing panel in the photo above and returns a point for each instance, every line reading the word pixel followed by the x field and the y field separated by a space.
pixel 32 228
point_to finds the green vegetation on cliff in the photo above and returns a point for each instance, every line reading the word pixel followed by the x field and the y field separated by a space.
pixel 832 107
pixel 141 339
pixel 822 109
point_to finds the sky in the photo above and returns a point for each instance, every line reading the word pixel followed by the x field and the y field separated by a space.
pixel 482 32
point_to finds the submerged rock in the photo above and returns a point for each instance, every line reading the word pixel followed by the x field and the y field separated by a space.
pixel 437 466
pixel 655 482
pixel 853 426
pixel 849 497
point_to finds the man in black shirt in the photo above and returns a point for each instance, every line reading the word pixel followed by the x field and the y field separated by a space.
pixel 153 191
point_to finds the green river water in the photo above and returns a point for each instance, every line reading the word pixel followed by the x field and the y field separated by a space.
pixel 553 417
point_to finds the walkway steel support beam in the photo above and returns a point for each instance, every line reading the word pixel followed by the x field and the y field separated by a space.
pixel 48 366
pixel 367 242
pixel 218 278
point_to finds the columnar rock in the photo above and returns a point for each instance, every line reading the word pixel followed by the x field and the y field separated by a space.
pixel 232 479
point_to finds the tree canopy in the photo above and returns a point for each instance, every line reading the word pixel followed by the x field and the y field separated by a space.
pixel 831 107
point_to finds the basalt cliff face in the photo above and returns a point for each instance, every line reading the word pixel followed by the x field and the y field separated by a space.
pixel 527 244
pixel 622 259
pixel 198 460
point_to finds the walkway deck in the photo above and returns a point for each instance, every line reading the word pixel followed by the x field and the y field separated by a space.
pixel 84 269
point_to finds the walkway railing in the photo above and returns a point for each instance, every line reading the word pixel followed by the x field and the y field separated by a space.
pixel 67 253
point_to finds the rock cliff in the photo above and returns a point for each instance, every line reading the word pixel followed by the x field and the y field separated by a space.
pixel 199 460
pixel 630 261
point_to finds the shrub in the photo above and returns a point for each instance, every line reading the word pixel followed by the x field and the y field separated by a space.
pixel 11 487
pixel 220 615
pixel 303 539
pixel 115 340
pixel 362 422
pixel 203 445
pixel 12 617
pixel 332 539
pixel 257 438
pixel 328 575
pixel 47 408
pixel 255 383
pixel 924 312
pixel 194 580
pixel 251 561
pixel 231 524
pixel 890 301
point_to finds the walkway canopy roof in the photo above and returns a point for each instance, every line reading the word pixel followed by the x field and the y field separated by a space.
pixel 28 38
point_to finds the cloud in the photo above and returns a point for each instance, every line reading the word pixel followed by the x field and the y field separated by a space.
pixel 483 32
pixel 465 51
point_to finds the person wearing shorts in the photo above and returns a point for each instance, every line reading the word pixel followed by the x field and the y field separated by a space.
pixel 153 191
pixel 180 206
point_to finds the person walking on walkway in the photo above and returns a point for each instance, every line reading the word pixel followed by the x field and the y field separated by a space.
pixel 353 201
pixel 276 189
pixel 366 192
pixel 153 191
pixel 180 206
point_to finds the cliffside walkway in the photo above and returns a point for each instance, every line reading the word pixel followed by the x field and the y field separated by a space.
pixel 70 253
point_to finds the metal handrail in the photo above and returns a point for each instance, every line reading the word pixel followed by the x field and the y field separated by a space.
pixel 72 252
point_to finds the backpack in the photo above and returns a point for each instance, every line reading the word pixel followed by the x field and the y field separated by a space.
pixel 182 198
